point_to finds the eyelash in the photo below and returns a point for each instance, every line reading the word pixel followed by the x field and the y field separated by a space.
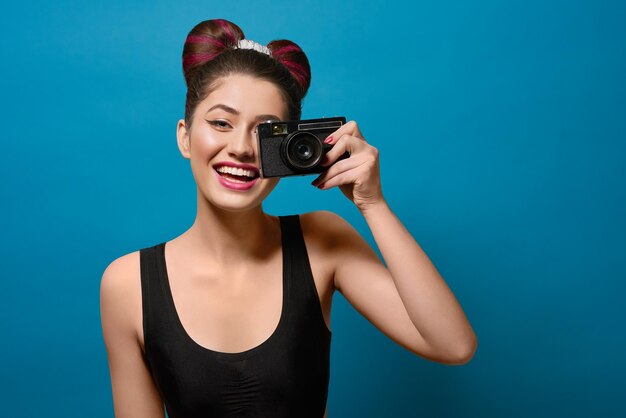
pixel 220 124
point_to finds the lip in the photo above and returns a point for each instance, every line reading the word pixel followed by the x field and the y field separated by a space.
pixel 233 185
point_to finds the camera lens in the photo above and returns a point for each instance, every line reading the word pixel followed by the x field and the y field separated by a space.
pixel 303 150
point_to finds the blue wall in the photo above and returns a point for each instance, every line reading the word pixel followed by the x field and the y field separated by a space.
pixel 502 133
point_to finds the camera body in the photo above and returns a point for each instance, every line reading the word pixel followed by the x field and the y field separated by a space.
pixel 295 147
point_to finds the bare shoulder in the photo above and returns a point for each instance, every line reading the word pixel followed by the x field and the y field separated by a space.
pixel 330 239
pixel 339 247
pixel 121 278
pixel 120 293
pixel 326 229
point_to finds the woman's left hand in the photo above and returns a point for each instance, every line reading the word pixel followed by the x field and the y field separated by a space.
pixel 357 176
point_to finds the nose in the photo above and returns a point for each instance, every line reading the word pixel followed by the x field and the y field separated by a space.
pixel 243 146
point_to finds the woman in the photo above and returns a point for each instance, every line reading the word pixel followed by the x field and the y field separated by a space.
pixel 231 318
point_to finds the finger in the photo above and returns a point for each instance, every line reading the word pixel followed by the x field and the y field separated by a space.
pixel 345 177
pixel 345 174
pixel 349 128
pixel 337 168
pixel 347 143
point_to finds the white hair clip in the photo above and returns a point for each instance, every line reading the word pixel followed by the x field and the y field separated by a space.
pixel 249 44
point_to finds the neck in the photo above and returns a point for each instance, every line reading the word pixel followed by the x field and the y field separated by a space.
pixel 229 237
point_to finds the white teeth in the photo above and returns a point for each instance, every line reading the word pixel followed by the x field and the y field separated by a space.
pixel 236 171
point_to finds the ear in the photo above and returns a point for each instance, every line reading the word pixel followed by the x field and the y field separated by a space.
pixel 182 136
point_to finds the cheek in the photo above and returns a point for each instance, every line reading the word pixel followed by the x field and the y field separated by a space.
pixel 205 146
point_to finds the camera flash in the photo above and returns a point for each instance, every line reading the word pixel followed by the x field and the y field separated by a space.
pixel 279 129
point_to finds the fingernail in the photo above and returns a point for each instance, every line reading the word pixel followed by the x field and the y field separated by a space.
pixel 321 185
pixel 328 140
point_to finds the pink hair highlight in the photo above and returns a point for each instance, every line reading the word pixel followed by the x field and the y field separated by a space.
pixel 224 25
pixel 296 70
pixel 286 49
pixel 202 39
pixel 194 59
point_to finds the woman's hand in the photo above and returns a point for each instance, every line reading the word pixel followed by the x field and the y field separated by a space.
pixel 357 176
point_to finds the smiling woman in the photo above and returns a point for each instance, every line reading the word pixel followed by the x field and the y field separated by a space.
pixel 232 317
pixel 222 133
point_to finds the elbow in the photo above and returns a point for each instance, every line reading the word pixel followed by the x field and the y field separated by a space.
pixel 465 352
pixel 453 354
pixel 462 352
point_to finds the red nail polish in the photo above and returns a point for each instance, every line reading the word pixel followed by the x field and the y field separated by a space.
pixel 321 185
pixel 327 140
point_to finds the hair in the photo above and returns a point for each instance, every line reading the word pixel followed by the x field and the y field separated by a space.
pixel 210 54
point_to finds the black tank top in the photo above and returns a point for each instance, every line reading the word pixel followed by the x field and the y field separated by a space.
pixel 285 376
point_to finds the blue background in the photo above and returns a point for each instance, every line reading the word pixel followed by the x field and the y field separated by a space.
pixel 502 133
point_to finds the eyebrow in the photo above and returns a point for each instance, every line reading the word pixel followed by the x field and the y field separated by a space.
pixel 236 112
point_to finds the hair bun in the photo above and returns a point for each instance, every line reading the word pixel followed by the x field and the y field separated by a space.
pixel 294 59
pixel 206 41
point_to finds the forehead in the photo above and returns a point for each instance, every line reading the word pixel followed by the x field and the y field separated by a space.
pixel 249 95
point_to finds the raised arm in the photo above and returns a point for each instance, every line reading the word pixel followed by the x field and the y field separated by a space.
pixel 408 300
pixel 134 392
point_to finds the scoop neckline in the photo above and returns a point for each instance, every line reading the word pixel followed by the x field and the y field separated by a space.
pixel 278 330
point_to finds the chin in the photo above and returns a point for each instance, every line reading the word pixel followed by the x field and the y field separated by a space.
pixel 238 201
pixel 235 207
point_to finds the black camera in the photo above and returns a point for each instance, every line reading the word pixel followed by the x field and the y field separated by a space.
pixel 295 147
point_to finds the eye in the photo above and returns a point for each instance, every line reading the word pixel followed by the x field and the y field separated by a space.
pixel 219 124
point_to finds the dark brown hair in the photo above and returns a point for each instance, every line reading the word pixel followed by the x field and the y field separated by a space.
pixel 211 52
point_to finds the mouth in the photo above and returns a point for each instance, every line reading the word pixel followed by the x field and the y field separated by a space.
pixel 237 174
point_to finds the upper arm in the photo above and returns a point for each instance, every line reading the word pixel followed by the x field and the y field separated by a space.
pixel 366 283
pixel 134 392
